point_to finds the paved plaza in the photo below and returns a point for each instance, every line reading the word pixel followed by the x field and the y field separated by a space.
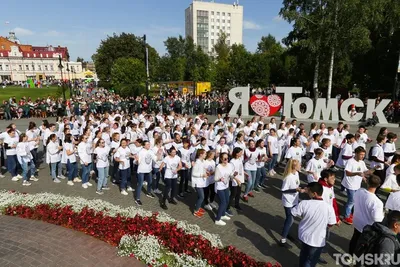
pixel 255 231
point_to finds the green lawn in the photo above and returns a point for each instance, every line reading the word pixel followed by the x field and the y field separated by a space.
pixel 34 93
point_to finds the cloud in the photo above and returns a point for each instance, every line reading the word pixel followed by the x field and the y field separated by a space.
pixel 249 25
pixel 53 33
pixel 22 32
pixel 278 18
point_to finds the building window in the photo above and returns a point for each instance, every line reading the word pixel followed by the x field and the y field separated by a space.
pixel 218 20
pixel 7 67
pixel 47 55
pixel 1 67
pixel 51 67
pixel 229 21
pixel 40 67
pixel 229 28
pixel 229 14
pixel 1 54
pixel 28 55
pixel 20 67
pixel 41 55
pixel 212 41
pixel 27 67
pixel 223 13
pixel 217 13
pixel 72 68
pixel 34 55
pixel 2 47
pixel 223 28
pixel 45 67
pixel 212 27
pixel 228 42
pixel 212 33
pixel 223 21
pixel 212 20
pixel 212 12
pixel 33 67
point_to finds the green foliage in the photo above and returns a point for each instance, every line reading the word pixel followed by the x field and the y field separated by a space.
pixel 129 76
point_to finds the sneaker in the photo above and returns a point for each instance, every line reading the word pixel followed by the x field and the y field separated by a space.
pixel 150 195
pixel 238 208
pixel 99 192
pixel 263 186
pixel 145 183
pixel 33 178
pixel 208 207
pixel 351 216
pixel 257 190
pixel 250 194
pixel 85 186
pixel 26 183
pixel 157 191
pixel 77 180
pixel 105 188
pixel 188 191
pixel 123 192
pixel 164 206
pixel 213 205
pixel 61 177
pixel 198 214
pixel 348 221
pixel 15 179
pixel 56 181
pixel 322 261
pixel 70 183
pixel 92 172
pixel 138 202
pixel 273 171
pixel 89 184
pixel 201 210
pixel 130 189
pixel 245 198
pixel 220 223
pixel 19 176
pixel 181 195
pixel 225 218
pixel 257 186
pixel 172 201
pixel 1 175
pixel 285 244
pixel 228 213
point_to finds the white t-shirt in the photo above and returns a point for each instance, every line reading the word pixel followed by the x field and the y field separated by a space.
pixel 159 160
pixel 146 158
pixel 171 166
pixel 238 167
pixel 294 153
pixel 251 160
pixel 317 166
pixel 223 176
pixel 291 181
pixel 328 194
pixel 123 155
pixel 209 165
pixel 185 157
pixel 368 208
pixel 313 145
pixel 389 148
pixel 316 216
pixel 353 182
pixel 273 143
pixel 262 152
pixel 102 156
pixel 391 179
pixel 347 151
pixel 363 140
pixel 65 157
pixel 377 151
pixel 393 201
pixel 199 178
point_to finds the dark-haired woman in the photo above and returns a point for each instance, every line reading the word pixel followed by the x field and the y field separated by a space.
pixel 85 155
pixel 53 157
pixel 101 153
pixel 69 158
pixel 199 177
pixel 122 156
pixel 173 165
pixel 145 159
pixel 25 159
pixel 236 185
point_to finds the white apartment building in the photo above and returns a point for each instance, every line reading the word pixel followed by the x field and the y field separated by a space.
pixel 204 21
pixel 19 62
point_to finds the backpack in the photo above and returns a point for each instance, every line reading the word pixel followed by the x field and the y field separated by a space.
pixel 369 240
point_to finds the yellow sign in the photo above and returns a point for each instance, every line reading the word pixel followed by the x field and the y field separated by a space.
pixel 203 87
pixel 184 90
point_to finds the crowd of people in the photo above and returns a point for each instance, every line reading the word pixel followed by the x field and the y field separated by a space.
pixel 116 142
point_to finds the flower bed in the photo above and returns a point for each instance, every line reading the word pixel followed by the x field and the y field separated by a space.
pixel 177 241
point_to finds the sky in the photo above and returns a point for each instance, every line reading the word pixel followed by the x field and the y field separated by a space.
pixel 81 25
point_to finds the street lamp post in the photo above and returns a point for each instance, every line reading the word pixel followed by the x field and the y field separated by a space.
pixel 60 66
pixel 69 81
pixel 146 54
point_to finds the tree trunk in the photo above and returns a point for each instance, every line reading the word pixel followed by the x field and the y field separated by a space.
pixel 328 95
pixel 316 77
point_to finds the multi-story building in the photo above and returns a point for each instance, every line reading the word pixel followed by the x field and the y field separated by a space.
pixel 204 22
pixel 19 62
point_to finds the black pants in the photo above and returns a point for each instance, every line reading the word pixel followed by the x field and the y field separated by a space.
pixel 185 176
pixel 170 185
pixel 381 174
pixel 353 241
pixel 234 198
pixel 209 191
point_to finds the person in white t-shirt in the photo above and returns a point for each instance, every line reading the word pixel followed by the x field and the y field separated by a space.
pixel 160 152
pixel 377 158
pixel 224 173
pixel 199 180
pixel 101 153
pixel 145 159
pixel 346 152
pixel 368 209
pixel 290 196
pixel 209 191
pixel 364 139
pixel 316 165
pixel 389 148
pixel 185 153
pixel 316 216
pixel 354 173
pixel 250 167
pixel 295 150
pixel 273 147
pixel 123 156
pixel 69 158
pixel 173 165
pixel 393 201
pixel 236 185
pixel 390 183
pixel 25 159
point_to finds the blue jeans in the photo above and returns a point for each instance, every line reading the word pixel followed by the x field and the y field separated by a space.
pixel 24 166
pixel 350 202
pixel 251 179
pixel 200 198
pixel 223 203
pixel 55 167
pixel 158 176
pixel 140 178
pixel 288 222
pixel 8 116
pixel 125 176
pixel 12 165
pixel 72 168
pixel 85 172
pixel 102 182
pixel 309 255
pixel 170 184
pixel 260 176
pixel 272 162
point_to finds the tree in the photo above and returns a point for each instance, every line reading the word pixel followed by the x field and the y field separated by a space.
pixel 222 71
pixel 128 76
pixel 119 46
pixel 79 59
pixel 239 65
